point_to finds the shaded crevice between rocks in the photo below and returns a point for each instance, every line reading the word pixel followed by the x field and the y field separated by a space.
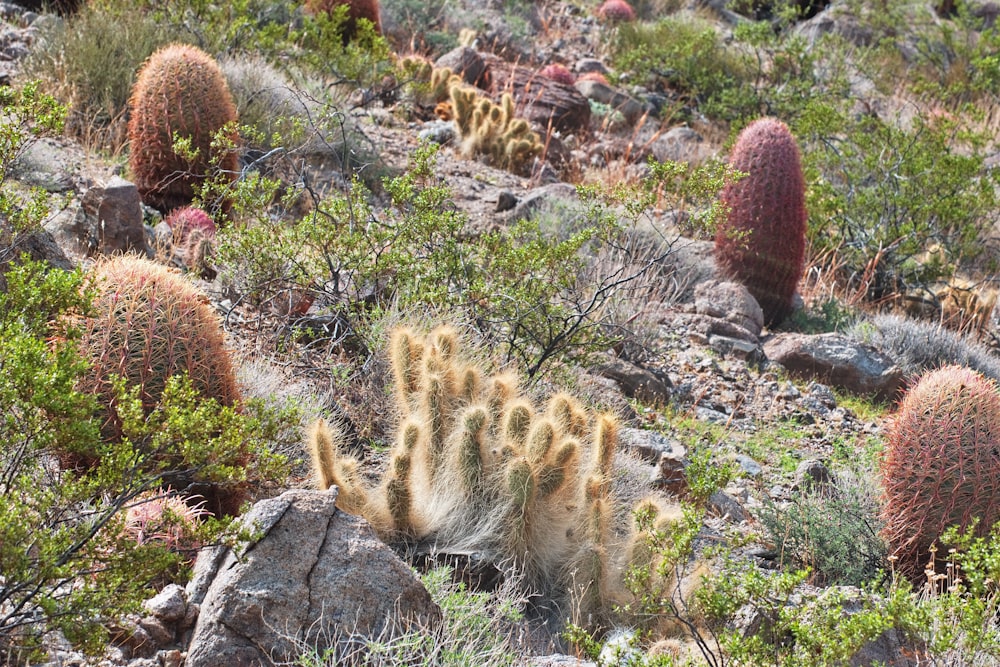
pixel 316 561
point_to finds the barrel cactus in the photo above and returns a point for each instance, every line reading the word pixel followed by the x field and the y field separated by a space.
pixel 763 242
pixel 150 324
pixel 193 232
pixel 941 465
pixel 180 92
pixel 356 9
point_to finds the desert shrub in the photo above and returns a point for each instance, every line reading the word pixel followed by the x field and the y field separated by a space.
pixel 831 529
pixel 701 66
pixel 477 628
pixel 415 253
pixel 68 564
pixel 758 72
pixel 267 101
pixel 424 26
pixel 88 61
pixel 918 346
pixel 26 115
pixel 886 193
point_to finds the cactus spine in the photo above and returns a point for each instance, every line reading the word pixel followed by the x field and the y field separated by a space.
pixel 763 242
pixel 493 130
pixel 476 467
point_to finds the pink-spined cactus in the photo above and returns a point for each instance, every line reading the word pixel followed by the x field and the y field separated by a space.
pixel 762 244
pixel 616 11
pixel 559 73
pixel 941 465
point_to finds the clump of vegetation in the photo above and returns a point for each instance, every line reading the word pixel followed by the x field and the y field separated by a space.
pixel 478 468
pixel 91 67
pixel 494 130
pixel 918 347
pixel 357 10
pixel 830 529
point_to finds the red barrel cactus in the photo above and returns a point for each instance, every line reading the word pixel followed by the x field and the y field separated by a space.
pixel 180 92
pixel 762 244
pixel 148 325
pixel 941 465
pixel 356 9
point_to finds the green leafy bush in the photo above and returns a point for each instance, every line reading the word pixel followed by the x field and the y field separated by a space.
pixel 416 253
pixel 885 194
pixel 26 115
pixel 832 529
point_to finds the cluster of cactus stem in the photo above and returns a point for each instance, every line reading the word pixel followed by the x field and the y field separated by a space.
pixel 476 467
pixel 494 130
pixel 486 128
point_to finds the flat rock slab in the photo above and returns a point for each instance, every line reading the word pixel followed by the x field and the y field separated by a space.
pixel 837 360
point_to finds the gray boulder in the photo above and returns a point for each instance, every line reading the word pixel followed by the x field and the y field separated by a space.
pixel 731 302
pixel 313 577
pixel 837 360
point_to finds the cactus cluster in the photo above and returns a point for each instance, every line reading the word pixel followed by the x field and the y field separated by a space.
pixel 428 85
pixel 762 244
pixel 494 130
pixel 941 465
pixel 477 467
pixel 180 92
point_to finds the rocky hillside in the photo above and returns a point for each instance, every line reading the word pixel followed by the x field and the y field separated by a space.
pixel 571 356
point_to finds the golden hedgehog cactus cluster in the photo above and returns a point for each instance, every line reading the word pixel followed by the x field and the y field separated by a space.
pixel 476 467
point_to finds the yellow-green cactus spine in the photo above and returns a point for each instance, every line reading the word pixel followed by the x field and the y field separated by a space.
pixel 516 422
pixel 333 470
pixel 540 439
pixel 323 453
pixel 398 495
pixel 469 453
pixel 555 474
pixel 567 413
pixel 405 354
pixel 605 444
pixel 435 405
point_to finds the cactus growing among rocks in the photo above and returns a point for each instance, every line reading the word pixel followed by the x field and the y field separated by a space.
pixel 180 92
pixel 762 244
pixel 558 72
pixel 940 466
pixel 616 11
pixel 475 466
pixel 493 130
pixel 194 234
pixel 150 324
